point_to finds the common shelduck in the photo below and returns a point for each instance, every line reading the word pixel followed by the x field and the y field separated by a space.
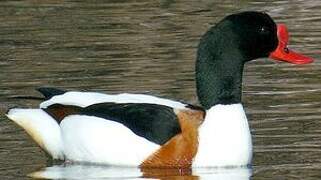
pixel 148 131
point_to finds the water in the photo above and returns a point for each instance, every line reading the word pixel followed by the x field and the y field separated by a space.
pixel 149 47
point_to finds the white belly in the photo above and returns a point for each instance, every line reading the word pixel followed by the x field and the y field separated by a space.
pixel 224 138
pixel 92 139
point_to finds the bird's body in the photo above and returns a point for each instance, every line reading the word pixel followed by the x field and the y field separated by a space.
pixel 148 131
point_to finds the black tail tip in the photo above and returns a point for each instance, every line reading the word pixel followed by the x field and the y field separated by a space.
pixel 49 92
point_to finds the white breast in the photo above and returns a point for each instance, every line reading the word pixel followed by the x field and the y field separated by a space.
pixel 224 138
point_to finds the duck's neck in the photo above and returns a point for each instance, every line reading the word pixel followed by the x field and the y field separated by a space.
pixel 219 71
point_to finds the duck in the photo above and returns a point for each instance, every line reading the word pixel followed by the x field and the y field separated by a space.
pixel 148 131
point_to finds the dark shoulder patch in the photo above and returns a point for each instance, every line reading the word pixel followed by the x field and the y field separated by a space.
pixel 156 123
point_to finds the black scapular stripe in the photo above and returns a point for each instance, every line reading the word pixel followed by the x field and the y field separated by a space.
pixel 156 123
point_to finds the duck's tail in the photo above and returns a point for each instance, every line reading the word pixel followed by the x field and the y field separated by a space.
pixel 47 93
pixel 43 129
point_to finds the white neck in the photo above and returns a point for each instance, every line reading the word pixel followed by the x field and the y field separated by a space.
pixel 224 138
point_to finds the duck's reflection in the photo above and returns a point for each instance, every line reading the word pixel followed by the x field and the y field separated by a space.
pixel 85 171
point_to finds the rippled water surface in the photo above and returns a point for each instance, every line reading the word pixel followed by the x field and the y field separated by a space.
pixel 149 47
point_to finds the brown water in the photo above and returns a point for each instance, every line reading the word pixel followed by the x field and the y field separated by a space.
pixel 142 46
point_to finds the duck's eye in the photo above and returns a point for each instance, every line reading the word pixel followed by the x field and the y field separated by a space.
pixel 264 30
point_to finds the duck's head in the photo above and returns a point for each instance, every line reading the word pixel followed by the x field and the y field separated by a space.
pixel 224 49
pixel 254 35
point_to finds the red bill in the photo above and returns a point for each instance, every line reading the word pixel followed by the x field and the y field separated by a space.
pixel 283 53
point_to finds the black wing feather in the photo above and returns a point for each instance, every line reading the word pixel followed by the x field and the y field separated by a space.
pixel 156 123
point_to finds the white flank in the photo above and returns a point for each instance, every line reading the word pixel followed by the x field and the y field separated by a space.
pixel 92 139
pixel 84 99
pixel 42 128
pixel 224 138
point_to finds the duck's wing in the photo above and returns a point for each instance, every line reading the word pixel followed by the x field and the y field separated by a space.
pixel 150 117
pixel 156 123
pixel 122 129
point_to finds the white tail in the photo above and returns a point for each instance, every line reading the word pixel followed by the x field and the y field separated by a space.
pixel 44 130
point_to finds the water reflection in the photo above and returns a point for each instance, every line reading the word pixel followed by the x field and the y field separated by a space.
pixel 81 171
